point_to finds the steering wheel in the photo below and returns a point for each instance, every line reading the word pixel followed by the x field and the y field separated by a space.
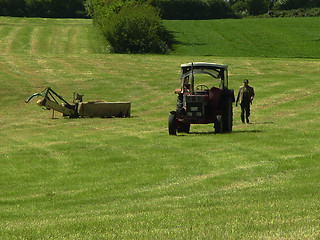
pixel 202 87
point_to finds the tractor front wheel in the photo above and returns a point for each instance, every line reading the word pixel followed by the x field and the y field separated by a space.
pixel 172 124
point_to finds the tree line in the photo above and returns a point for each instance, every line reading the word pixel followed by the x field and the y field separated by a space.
pixel 168 9
pixel 43 8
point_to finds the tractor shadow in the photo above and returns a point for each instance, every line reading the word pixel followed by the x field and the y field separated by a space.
pixel 233 132
pixel 201 133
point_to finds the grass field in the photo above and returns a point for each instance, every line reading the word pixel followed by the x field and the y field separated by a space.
pixel 127 178
pixel 262 37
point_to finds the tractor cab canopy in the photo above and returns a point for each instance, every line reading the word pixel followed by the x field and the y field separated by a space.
pixel 216 71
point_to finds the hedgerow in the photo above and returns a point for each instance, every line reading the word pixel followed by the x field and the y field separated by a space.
pixel 193 9
pixel 301 12
pixel 42 8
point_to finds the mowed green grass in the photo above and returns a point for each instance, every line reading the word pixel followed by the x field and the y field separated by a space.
pixel 261 37
pixel 117 178
pixel 49 36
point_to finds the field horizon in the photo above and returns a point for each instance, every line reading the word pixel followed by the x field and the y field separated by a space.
pixel 126 178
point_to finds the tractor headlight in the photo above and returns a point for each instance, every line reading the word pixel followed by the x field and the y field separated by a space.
pixel 199 114
pixel 193 109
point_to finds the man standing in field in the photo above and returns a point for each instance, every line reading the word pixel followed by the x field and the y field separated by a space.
pixel 245 97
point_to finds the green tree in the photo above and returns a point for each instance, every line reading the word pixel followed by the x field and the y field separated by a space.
pixel 38 8
pixel 15 8
pixel 129 26
pixel 240 8
pixel 63 8
pixel 137 28
pixel 256 7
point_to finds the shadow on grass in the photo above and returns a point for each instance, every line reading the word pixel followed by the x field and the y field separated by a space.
pixel 57 118
pixel 191 44
pixel 213 133
pixel 246 131
pixel 171 39
pixel 201 133
pixel 260 123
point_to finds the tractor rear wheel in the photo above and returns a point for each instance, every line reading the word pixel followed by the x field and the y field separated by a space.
pixel 218 124
pixel 172 124
pixel 228 115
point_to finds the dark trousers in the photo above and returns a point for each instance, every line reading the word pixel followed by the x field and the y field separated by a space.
pixel 245 111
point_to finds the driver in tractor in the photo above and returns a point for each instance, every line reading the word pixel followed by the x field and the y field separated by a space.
pixel 186 85
pixel 185 89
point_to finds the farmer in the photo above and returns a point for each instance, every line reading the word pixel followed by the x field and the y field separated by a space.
pixel 245 97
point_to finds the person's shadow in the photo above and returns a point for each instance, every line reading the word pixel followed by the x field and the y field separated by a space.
pixel 246 131
pixel 261 123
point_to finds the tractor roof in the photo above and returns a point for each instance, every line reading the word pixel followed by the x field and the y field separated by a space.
pixel 201 65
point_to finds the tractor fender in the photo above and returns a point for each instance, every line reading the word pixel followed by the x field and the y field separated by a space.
pixel 173 112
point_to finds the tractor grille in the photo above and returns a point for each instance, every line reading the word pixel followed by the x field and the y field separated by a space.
pixel 194 98
pixel 194 105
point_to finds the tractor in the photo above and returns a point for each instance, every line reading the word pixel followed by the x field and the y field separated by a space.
pixel 199 104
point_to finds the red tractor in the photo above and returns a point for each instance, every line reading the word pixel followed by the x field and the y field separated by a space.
pixel 199 104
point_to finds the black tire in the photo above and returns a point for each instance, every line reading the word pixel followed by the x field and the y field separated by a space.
pixel 218 125
pixel 172 124
pixel 228 115
pixel 179 107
